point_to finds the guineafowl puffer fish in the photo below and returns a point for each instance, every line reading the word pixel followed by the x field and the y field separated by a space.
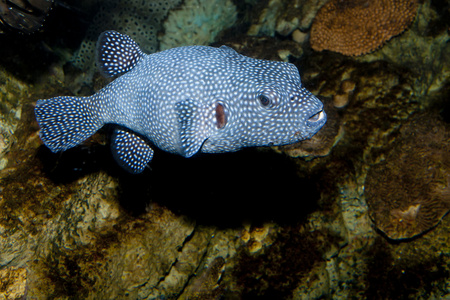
pixel 183 100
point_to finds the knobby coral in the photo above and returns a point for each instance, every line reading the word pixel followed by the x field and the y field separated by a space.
pixel 355 27
pixel 409 192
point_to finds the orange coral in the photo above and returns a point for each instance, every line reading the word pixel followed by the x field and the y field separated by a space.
pixel 355 27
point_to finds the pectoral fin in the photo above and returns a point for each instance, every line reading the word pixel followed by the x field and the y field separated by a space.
pixel 192 126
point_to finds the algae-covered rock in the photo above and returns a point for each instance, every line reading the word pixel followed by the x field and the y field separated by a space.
pixel 85 244
pixel 12 91
pixel 13 283
pixel 206 284
pixel 284 16
pixel 416 269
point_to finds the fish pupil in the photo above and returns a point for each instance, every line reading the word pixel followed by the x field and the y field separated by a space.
pixel 265 101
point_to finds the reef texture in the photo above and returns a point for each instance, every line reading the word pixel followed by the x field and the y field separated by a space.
pixel 140 19
pixel 63 257
pixel 357 27
pixel 282 16
pixel 154 25
pixel 408 193
pixel 13 283
pixel 12 91
pixel 420 48
pixel 244 225
pixel 197 22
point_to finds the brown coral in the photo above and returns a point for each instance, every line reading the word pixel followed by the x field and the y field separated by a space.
pixel 409 192
pixel 355 27
pixel 342 98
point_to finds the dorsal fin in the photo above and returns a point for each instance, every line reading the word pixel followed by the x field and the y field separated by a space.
pixel 116 53
pixel 230 52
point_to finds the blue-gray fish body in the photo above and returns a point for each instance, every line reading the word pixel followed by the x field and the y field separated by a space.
pixel 183 100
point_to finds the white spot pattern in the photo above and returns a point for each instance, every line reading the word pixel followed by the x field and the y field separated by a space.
pixel 170 99
pixel 116 53
pixel 131 151
pixel 67 121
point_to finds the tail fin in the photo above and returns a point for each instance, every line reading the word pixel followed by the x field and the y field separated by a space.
pixel 67 121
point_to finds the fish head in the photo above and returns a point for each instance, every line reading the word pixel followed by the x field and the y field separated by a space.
pixel 273 109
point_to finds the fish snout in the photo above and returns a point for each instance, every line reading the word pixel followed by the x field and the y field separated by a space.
pixel 317 119
pixel 315 122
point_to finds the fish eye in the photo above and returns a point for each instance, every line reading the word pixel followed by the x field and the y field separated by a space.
pixel 264 100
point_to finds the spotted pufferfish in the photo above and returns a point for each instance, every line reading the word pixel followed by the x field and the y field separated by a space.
pixel 183 100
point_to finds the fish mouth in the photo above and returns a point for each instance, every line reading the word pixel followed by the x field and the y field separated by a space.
pixel 315 122
pixel 317 117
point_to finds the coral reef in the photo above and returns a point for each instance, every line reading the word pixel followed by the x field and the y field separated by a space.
pixel 283 17
pixel 358 26
pixel 423 48
pixel 205 285
pixel 242 225
pixel 409 192
pixel 139 19
pixel 197 22
pixel 154 25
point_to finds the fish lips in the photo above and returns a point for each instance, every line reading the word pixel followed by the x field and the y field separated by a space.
pixel 311 126
pixel 316 121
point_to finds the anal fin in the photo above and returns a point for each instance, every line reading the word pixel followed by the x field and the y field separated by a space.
pixel 130 150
